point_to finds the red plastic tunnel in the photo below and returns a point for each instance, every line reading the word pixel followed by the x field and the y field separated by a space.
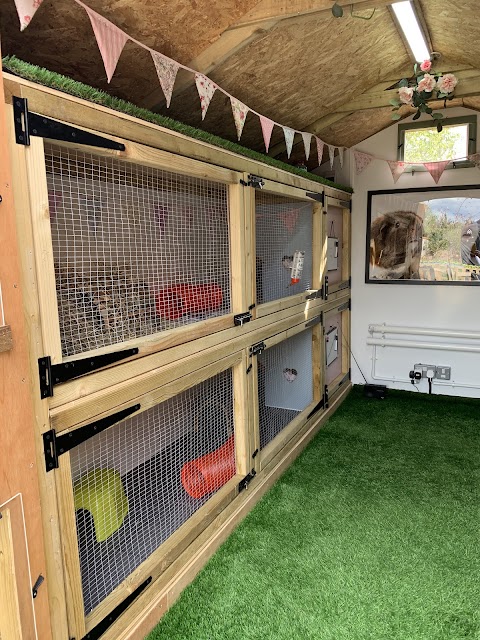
pixel 210 472
pixel 178 300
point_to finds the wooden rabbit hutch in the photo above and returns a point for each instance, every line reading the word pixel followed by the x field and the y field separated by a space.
pixel 172 309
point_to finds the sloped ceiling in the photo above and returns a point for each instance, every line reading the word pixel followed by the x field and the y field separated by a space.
pixel 297 71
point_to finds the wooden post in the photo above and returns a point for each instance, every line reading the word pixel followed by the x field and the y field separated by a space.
pixel 18 465
pixel 10 624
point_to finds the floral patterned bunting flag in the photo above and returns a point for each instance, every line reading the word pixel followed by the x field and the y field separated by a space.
pixel 362 160
pixel 289 135
pixel 267 128
pixel 206 88
pixel 167 72
pixel 320 145
pixel 331 153
pixel 397 168
pixel 475 158
pixel 340 155
pixel 26 10
pixel 110 40
pixel 307 141
pixel 436 169
pixel 240 111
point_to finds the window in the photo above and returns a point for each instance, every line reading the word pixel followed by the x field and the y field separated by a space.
pixel 421 142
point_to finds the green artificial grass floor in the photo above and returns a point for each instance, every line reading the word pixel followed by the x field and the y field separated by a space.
pixel 372 533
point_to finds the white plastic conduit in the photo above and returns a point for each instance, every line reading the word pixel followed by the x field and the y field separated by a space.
pixel 411 344
pixel 439 333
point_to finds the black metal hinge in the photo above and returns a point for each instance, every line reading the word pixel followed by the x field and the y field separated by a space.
pixel 319 197
pixel 345 378
pixel 52 374
pixel 314 321
pixel 54 446
pixel 316 408
pixel 346 204
pixel 102 626
pixel 254 181
pixel 344 285
pixel 315 295
pixel 243 484
pixel 325 288
pixel 241 318
pixel 257 349
pixel 255 453
pixel 325 396
pixel 345 305
pixel 29 124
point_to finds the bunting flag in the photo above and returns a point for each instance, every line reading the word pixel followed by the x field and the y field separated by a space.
pixel 320 145
pixel 340 155
pixel 26 10
pixel 289 135
pixel 240 111
pixel 110 40
pixel 206 89
pixel 267 128
pixel 331 154
pixel 436 169
pixel 397 168
pixel 362 160
pixel 167 72
pixel 307 141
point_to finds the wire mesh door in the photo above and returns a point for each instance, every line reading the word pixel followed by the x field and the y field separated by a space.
pixel 139 482
pixel 285 389
pixel 137 249
pixel 284 240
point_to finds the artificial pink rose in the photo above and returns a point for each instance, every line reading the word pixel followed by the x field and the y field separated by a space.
pixel 405 94
pixel 427 83
pixel 426 65
pixel 447 83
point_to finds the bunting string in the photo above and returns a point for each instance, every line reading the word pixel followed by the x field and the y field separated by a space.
pixel 111 41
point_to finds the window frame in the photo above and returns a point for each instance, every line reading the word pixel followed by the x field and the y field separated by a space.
pixel 471 121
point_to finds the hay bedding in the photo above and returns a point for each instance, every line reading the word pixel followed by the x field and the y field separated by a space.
pixel 104 307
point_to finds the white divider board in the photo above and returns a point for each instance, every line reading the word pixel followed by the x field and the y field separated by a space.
pixel 294 353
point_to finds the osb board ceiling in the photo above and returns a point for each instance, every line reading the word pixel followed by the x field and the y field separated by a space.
pixel 454 29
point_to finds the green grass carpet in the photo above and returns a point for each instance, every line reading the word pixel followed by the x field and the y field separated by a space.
pixel 373 533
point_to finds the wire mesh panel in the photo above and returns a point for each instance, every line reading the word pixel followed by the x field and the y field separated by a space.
pixel 333 346
pixel 285 384
pixel 137 250
pixel 284 246
pixel 136 483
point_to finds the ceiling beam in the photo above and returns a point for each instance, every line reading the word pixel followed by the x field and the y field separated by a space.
pixel 253 26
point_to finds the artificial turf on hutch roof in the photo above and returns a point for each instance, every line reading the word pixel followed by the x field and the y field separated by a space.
pixel 72 87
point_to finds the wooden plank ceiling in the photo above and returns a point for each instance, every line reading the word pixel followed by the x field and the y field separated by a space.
pixel 290 60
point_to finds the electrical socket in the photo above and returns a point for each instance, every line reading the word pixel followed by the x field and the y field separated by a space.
pixel 427 370
pixel 443 373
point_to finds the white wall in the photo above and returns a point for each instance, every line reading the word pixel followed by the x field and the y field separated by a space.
pixel 429 306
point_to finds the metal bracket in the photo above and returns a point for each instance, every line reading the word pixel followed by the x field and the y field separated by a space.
pixel 314 321
pixel 344 285
pixel 345 305
pixel 37 585
pixel 319 197
pixel 325 288
pixel 315 295
pixel 52 374
pixel 345 378
pixel 250 367
pixel 29 124
pixel 325 396
pixel 254 181
pixel 243 484
pixel 102 626
pixel 54 446
pixel 346 204
pixel 255 453
pixel 257 349
pixel 316 408
pixel 241 318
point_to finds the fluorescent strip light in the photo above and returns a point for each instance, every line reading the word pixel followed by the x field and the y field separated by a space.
pixel 411 30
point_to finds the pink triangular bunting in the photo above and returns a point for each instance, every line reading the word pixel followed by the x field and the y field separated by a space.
pixel 307 141
pixel 206 88
pixel 436 169
pixel 331 153
pixel 26 10
pixel 362 160
pixel 240 111
pixel 320 145
pixel 110 40
pixel 289 135
pixel 267 128
pixel 167 72
pixel 397 168
pixel 475 158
